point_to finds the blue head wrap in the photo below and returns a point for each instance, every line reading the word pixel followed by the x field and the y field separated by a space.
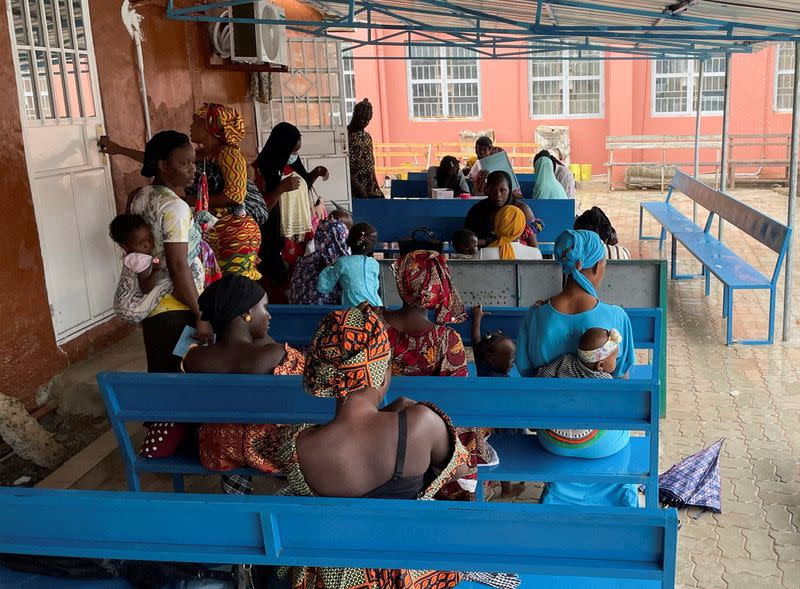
pixel 581 246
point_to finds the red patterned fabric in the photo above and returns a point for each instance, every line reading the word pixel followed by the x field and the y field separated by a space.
pixel 437 352
pixel 423 281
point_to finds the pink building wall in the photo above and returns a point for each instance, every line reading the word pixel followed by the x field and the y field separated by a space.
pixel 628 87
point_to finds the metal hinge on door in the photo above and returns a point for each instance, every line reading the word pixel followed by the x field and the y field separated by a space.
pixel 343 139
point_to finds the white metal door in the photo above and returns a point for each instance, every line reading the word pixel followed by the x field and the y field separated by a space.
pixel 70 181
pixel 311 96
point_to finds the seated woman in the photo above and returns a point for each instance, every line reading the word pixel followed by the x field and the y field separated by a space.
pixel 547 186
pixel 330 244
pixel 237 309
pixel 509 225
pixel 421 347
pixel 562 172
pixel 480 218
pixel 448 175
pixel 555 328
pixel 595 220
pixel 406 450
pixel 484 147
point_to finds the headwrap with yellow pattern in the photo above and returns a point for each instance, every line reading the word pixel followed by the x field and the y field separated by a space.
pixel 223 122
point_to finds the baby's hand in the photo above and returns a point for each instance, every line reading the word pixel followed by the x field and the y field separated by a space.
pixel 156 264
pixel 478 312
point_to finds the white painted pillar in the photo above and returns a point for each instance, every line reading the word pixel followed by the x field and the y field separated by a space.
pixel 726 115
pixel 699 116
pixel 788 322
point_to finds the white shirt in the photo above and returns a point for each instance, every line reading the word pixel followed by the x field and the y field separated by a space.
pixel 522 252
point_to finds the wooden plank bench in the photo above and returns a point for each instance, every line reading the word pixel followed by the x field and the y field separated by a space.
pixel 551 546
pixel 631 404
pixel 662 143
pixel 769 145
pixel 716 258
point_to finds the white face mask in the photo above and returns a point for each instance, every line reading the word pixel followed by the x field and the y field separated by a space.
pixel 292 159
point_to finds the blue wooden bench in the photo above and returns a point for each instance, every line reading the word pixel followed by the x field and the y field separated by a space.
pixel 397 219
pixel 631 404
pixel 416 186
pixel 553 546
pixel 716 258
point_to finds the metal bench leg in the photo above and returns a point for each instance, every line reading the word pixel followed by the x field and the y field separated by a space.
pixel 177 483
pixel 729 310
pixel 771 337
pixel 642 236
pixel 674 271
pixel 708 282
pixel 133 481
pixel 725 295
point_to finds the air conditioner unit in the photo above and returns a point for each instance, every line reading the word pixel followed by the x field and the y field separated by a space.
pixel 259 43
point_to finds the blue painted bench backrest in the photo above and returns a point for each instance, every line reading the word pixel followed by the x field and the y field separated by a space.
pixel 296 324
pixel 756 224
pixel 397 219
pixel 550 541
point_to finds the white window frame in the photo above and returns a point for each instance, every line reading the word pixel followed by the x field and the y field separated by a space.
pixel 779 72
pixel 348 74
pixel 690 74
pixel 443 81
pixel 565 79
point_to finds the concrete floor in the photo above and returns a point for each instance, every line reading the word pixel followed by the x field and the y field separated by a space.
pixel 749 395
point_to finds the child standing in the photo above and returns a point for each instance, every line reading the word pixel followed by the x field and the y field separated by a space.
pixel 494 357
pixel 358 274
pixel 494 353
pixel 133 235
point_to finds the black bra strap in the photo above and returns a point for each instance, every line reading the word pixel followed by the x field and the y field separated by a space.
pixel 402 436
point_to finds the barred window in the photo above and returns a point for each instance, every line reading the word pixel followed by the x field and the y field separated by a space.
pixel 784 76
pixel 349 72
pixel 675 86
pixel 562 85
pixel 444 82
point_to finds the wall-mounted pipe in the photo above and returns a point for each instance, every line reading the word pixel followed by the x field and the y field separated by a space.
pixel 133 21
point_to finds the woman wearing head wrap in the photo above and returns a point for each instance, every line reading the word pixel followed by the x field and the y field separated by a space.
pixel 169 159
pixel 596 220
pixel 547 186
pixel 448 175
pixel 362 157
pixel 420 347
pixel 222 175
pixel 563 174
pixel 280 171
pixel 365 451
pixel 553 329
pixel 236 307
pixel 330 244
pixel 509 225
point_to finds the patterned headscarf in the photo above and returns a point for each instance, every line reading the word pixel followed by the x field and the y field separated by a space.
pixel 362 114
pixel 350 351
pixel 581 246
pixel 223 122
pixel 509 223
pixel 423 281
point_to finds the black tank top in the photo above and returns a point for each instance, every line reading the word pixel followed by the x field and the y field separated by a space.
pixel 400 487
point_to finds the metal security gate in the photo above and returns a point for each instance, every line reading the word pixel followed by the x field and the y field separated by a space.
pixel 312 97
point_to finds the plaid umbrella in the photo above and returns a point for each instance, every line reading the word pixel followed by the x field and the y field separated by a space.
pixel 694 481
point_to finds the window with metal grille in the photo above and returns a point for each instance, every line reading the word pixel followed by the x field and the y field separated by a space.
pixel 784 76
pixel 53 57
pixel 675 86
pixel 444 82
pixel 349 72
pixel 561 85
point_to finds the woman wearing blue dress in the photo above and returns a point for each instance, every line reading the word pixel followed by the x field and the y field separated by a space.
pixel 553 329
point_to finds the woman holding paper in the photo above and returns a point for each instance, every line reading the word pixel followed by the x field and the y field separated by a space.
pixel 483 148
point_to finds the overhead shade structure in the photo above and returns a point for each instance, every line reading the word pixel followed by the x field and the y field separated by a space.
pixel 510 29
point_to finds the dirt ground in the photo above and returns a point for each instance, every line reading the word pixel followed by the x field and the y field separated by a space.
pixel 75 432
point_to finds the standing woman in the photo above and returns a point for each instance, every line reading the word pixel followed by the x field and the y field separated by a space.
pixel 169 160
pixel 362 157
pixel 235 237
pixel 279 171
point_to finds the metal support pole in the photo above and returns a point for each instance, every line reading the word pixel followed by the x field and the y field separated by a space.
pixel 699 116
pixel 726 116
pixel 793 162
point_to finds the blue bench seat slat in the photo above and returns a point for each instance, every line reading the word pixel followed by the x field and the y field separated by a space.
pixel 572 582
pixel 522 458
pixel 671 218
pixel 722 261
pixel 185 465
